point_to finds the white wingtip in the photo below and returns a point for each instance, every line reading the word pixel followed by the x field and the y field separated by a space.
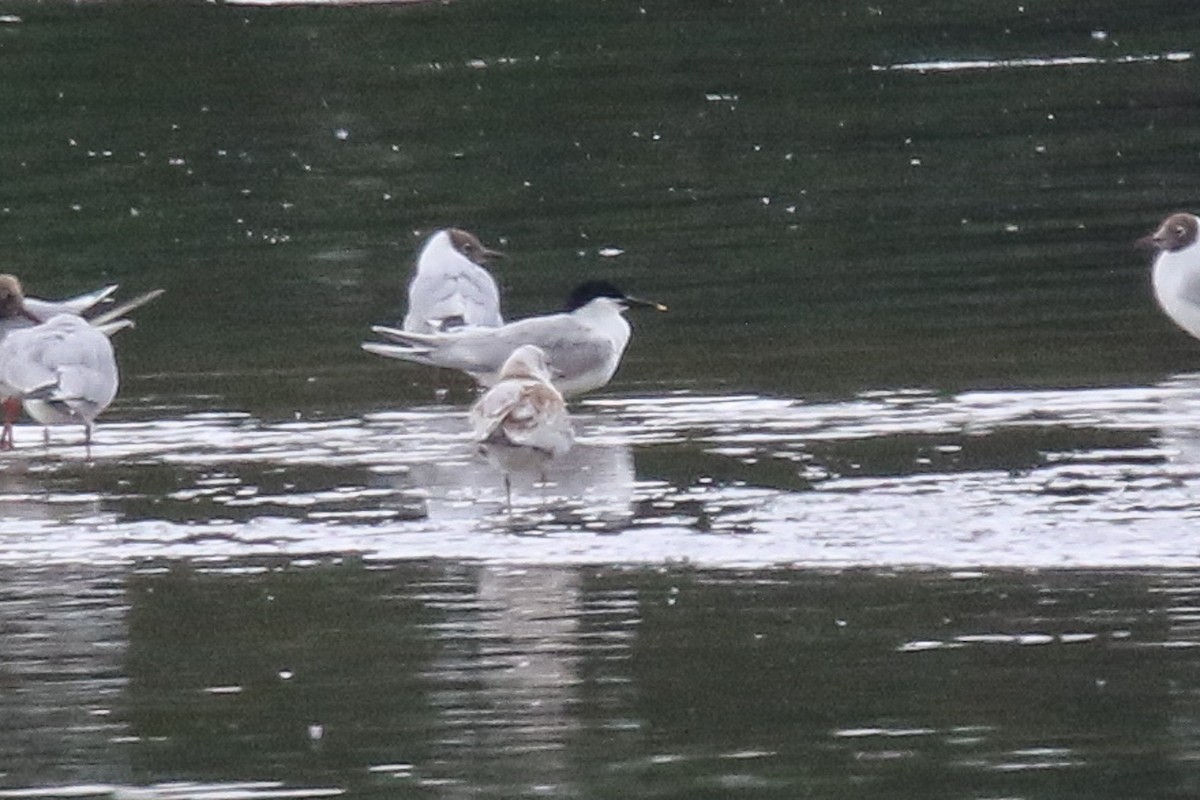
pixel 93 298
pixel 395 351
pixel 124 308
pixel 109 328
pixel 395 334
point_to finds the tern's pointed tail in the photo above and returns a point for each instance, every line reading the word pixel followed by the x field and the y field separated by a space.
pixel 416 355
pixel 404 345
pixel 409 338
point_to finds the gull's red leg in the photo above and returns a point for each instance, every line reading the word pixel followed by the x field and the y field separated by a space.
pixel 12 410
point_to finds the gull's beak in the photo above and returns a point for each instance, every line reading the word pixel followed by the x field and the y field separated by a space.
pixel 1151 242
pixel 29 315
pixel 487 253
pixel 634 302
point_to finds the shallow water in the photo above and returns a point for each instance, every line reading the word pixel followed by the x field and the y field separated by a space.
pixel 1049 478
pixel 898 499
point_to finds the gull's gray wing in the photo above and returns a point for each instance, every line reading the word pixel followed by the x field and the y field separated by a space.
pixel 64 360
pixel 45 309
pixel 22 368
pixel 454 292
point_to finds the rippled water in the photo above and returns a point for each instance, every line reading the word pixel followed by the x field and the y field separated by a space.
pixel 1102 477
pixel 441 678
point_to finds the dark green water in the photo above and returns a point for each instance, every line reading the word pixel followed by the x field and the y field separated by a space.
pixel 817 222
pixel 447 680
pixel 898 500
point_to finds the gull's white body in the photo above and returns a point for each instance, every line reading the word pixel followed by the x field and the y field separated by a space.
pixel 521 423
pixel 1176 281
pixel 450 290
pixel 583 347
pixel 55 356
pixel 63 371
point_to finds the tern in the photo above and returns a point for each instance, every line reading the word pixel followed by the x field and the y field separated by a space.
pixel 583 343
pixel 451 289
pixel 1176 272
pixel 521 422
pixel 56 363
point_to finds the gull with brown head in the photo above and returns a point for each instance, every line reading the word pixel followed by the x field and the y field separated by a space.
pixel 54 362
pixel 451 287
pixel 1175 275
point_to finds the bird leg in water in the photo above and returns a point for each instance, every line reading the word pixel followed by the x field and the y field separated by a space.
pixel 12 410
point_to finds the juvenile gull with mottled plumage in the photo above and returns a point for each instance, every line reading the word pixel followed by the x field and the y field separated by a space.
pixel 521 422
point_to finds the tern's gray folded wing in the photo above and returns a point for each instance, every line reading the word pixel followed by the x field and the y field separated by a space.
pixel 572 357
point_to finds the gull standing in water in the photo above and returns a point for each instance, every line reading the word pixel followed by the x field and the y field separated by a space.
pixel 61 367
pixel 1176 272
pixel 521 422
pixel 583 344
pixel 63 371
pixel 451 289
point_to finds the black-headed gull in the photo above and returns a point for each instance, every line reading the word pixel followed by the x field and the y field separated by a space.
pixel 57 364
pixel 1176 272
pixel 522 422
pixel 63 371
pixel 450 288
pixel 583 343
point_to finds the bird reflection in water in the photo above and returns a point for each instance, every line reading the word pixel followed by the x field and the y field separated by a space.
pixel 591 484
